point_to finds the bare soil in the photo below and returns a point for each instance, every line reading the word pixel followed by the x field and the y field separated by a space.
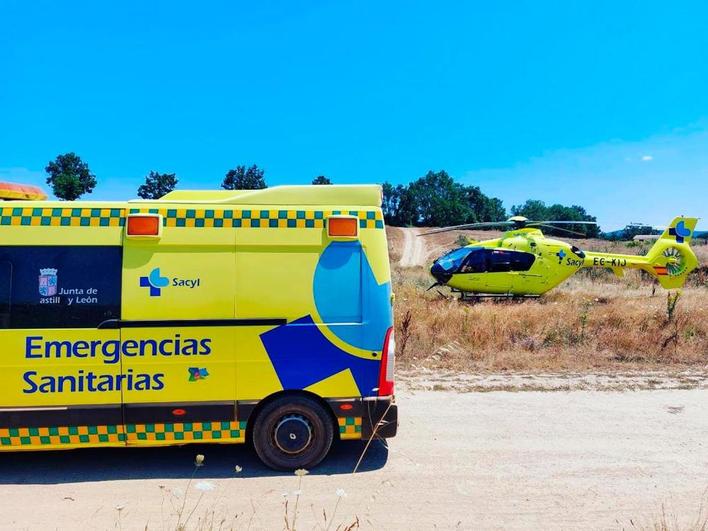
pixel 414 249
pixel 495 460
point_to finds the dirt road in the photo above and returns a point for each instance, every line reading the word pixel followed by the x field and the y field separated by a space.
pixel 462 460
pixel 413 253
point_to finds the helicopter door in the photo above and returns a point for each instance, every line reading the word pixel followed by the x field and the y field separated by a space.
pixel 532 271
pixel 500 266
pixel 513 264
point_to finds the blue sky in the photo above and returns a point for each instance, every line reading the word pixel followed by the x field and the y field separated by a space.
pixel 603 104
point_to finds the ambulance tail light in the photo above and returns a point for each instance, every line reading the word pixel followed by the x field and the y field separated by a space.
pixel 343 227
pixel 388 359
pixel 144 225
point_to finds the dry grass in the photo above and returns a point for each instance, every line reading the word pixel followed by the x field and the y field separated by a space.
pixel 594 321
pixel 669 521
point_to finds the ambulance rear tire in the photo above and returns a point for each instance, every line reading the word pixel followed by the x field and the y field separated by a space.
pixel 293 432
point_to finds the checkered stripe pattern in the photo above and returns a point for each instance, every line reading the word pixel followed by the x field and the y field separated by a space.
pixel 259 219
pixel 61 435
pixel 349 427
pixel 233 431
pixel 62 217
pixel 183 217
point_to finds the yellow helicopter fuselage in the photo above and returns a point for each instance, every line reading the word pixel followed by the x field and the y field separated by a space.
pixel 544 274
pixel 525 262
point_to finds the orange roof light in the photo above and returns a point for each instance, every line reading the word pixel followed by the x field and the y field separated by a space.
pixel 10 191
pixel 143 225
pixel 347 227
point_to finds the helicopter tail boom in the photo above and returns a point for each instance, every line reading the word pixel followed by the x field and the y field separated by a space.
pixel 669 261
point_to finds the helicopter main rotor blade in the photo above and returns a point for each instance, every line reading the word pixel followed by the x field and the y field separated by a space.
pixel 561 222
pixel 560 229
pixel 468 226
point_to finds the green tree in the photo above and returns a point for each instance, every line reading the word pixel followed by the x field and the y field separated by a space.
pixel 398 205
pixel 538 211
pixel 321 179
pixel 533 209
pixel 157 184
pixel 389 203
pixel 483 208
pixel 437 200
pixel 632 230
pixel 494 210
pixel 242 178
pixel 407 206
pixel 70 177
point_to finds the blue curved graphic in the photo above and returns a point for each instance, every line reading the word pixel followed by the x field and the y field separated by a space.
pixel 155 282
pixel 301 356
pixel 680 232
pixel 355 307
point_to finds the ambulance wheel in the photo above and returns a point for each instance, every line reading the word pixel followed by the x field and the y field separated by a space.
pixel 293 432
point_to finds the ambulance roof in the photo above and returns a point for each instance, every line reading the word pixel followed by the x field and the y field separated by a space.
pixel 362 195
pixel 335 194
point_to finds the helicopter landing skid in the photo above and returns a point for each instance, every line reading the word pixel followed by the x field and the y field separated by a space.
pixel 497 297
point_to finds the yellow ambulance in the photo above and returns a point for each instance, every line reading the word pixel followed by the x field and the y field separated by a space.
pixel 204 316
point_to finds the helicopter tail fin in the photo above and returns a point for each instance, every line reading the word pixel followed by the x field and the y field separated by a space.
pixel 671 258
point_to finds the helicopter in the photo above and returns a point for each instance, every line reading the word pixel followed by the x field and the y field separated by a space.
pixel 523 262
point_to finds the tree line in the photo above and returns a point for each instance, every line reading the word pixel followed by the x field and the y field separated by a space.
pixel 436 200
pixel 538 210
pixel 70 178
pixel 433 200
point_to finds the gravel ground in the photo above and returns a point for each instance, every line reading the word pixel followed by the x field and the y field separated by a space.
pixel 513 460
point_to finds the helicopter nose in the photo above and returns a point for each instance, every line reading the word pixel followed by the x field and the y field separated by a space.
pixel 439 273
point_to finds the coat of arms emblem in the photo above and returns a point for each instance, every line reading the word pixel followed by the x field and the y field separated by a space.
pixel 47 282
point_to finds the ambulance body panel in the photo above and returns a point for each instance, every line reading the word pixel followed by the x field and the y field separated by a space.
pixel 240 303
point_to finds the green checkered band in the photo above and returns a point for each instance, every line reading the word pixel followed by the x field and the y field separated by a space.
pixel 184 217
pixel 187 431
pixel 14 437
pixel 258 218
pixel 232 431
pixel 349 427
pixel 61 217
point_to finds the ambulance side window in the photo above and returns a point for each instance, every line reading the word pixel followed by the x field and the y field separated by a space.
pixel 5 293
pixel 59 286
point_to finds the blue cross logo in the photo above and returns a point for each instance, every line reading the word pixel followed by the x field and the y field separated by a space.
pixel 680 232
pixel 155 282
pixel 560 254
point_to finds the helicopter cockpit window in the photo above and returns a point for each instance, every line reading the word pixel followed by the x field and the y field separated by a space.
pixel 523 261
pixel 499 261
pixel 482 260
pixel 502 261
pixel 476 261
pixel 496 261
pixel 451 262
